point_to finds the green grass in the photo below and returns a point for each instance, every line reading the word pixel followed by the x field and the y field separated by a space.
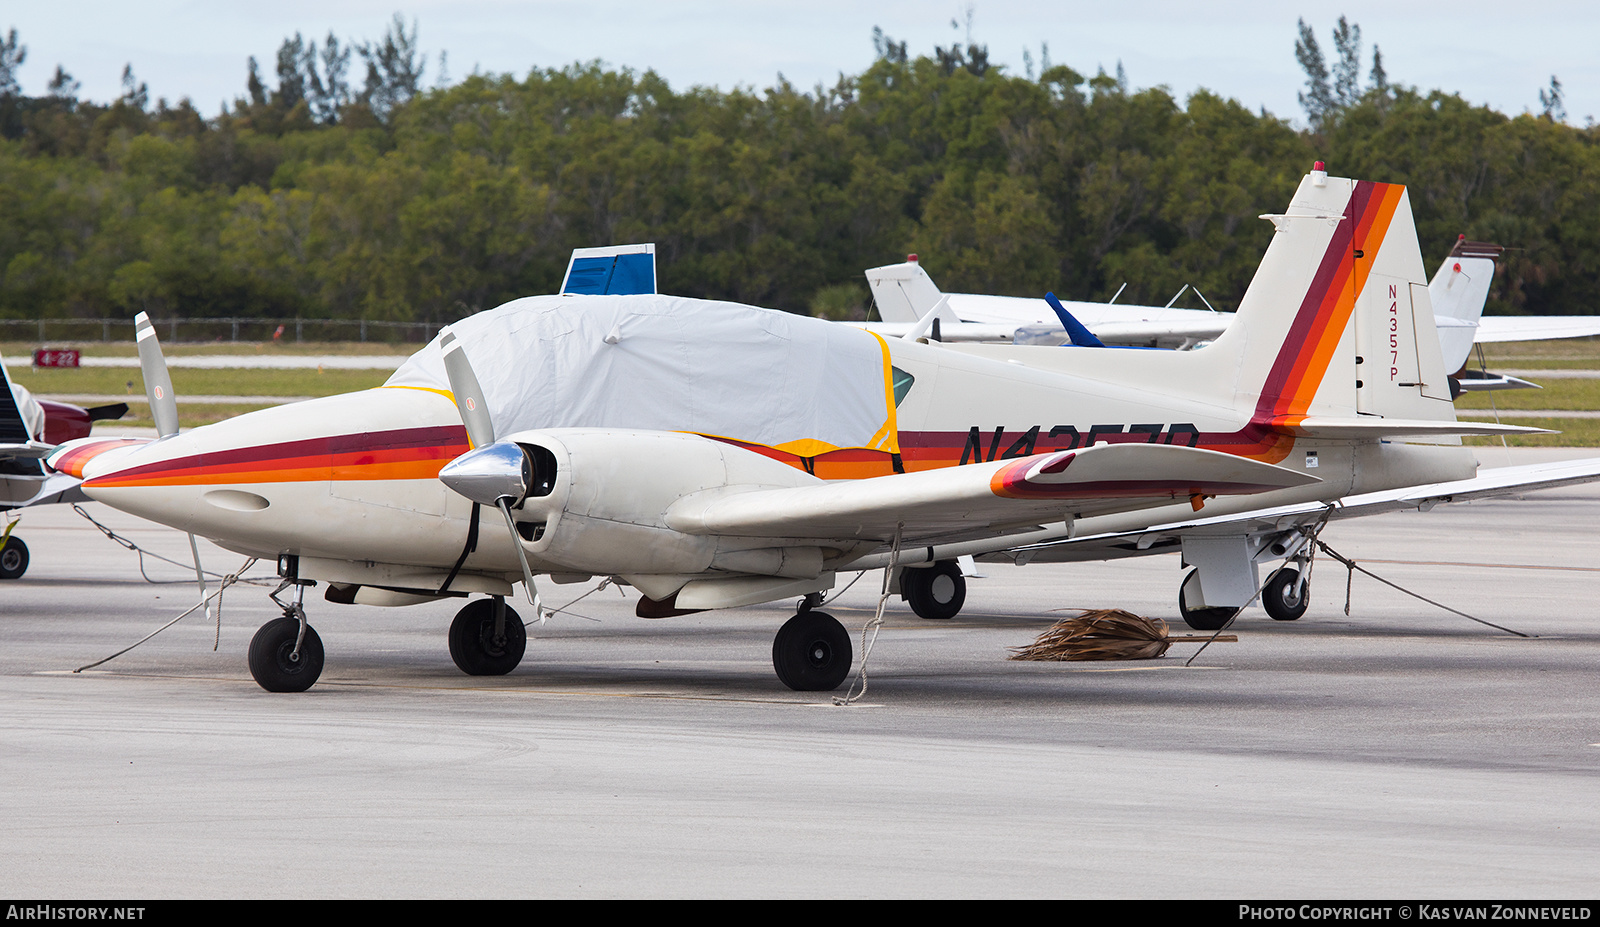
pixel 1566 395
pixel 1569 353
pixel 115 381
pixel 1574 432
pixel 190 415
pixel 1561 395
pixel 263 349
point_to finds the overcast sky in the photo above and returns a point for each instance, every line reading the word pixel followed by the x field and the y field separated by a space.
pixel 1497 53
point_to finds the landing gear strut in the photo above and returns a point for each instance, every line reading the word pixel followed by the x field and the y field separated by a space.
pixel 935 592
pixel 812 652
pixel 1202 619
pixel 487 638
pixel 286 654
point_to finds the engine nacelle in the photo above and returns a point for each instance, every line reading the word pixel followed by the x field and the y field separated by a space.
pixel 598 497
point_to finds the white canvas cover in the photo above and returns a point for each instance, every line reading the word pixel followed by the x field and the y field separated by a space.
pixel 669 363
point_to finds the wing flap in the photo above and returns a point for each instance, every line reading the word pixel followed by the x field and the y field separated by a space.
pixel 1028 490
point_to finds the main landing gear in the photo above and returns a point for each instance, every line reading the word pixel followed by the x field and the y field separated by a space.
pixel 1284 597
pixel 286 654
pixel 935 592
pixel 1202 619
pixel 487 638
pixel 812 652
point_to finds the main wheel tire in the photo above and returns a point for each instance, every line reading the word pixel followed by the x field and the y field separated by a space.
pixel 812 652
pixel 13 559
pixel 1282 596
pixel 473 645
pixel 1202 619
pixel 937 592
pixel 273 662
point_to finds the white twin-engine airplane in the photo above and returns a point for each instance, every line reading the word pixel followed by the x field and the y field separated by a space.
pixel 907 299
pixel 715 455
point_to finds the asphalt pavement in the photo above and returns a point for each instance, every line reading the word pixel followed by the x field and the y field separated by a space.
pixel 1398 752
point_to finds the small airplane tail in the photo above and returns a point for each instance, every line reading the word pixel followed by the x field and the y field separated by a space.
pixel 614 270
pixel 21 417
pixel 905 293
pixel 1459 291
pixel 1336 328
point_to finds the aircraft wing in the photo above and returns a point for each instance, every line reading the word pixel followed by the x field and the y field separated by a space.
pixel 981 498
pixel 1536 327
pixel 1500 481
pixel 956 332
pixel 21 492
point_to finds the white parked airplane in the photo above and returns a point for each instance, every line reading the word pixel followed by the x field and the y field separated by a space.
pixel 29 430
pixel 714 455
pixel 906 296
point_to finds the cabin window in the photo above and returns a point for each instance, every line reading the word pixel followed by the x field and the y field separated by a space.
pixel 901 381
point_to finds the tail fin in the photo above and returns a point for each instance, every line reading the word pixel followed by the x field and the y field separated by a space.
pixel 1358 335
pixel 12 428
pixel 21 420
pixel 616 270
pixel 905 293
pixel 1459 291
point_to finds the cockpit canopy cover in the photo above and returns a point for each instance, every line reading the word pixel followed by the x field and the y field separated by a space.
pixel 668 363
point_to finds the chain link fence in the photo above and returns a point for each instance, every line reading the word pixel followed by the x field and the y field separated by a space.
pixel 179 330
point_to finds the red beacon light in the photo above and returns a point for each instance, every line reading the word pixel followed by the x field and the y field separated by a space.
pixel 1319 174
pixel 911 259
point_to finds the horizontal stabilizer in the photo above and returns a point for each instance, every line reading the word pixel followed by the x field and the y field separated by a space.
pixel 1374 427
pixel 1480 381
pixel 107 413
pixel 954 500
pixel 32 450
pixel 1081 336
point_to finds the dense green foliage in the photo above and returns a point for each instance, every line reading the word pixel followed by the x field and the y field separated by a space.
pixel 434 205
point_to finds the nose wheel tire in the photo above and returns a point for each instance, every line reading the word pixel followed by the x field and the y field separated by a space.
pixel 475 647
pixel 1282 596
pixel 1202 619
pixel 812 652
pixel 13 559
pixel 935 592
pixel 273 660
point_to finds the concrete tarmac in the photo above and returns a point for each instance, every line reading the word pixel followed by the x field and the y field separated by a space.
pixel 1400 753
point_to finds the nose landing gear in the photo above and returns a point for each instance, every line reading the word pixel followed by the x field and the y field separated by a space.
pixel 286 654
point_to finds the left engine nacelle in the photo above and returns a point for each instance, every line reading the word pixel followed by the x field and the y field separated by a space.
pixel 597 498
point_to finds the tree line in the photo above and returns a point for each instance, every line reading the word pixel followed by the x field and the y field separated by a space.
pixel 386 199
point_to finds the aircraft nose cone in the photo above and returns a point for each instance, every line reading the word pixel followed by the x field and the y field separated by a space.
pixel 488 474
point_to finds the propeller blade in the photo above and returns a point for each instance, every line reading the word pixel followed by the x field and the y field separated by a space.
pixel 199 574
pixel 527 574
pixel 466 390
pixel 490 474
pixel 157 380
